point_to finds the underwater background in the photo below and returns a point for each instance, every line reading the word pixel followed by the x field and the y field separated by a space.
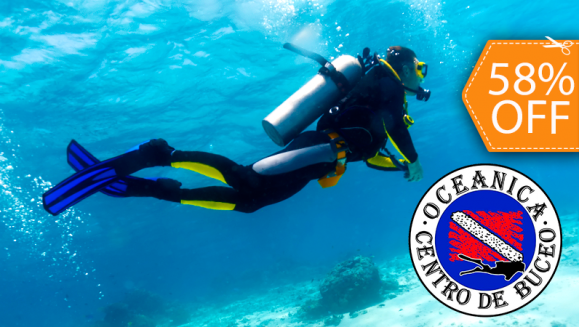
pixel 202 74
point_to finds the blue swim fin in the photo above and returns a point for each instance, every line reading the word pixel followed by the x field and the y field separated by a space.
pixel 100 175
pixel 80 186
pixel 79 158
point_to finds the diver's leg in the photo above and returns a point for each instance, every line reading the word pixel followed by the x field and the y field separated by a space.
pixel 274 193
pixel 214 166
pixel 153 153
pixel 309 148
pixel 213 197
pixel 225 198
pixel 251 190
pixel 158 153
pixel 160 188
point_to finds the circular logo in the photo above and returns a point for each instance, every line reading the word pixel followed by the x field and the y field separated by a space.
pixel 485 240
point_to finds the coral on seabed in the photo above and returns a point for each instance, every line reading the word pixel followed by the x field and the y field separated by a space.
pixel 117 314
pixel 333 320
pixel 351 285
pixel 142 309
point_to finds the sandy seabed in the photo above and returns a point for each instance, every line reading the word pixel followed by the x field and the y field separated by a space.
pixel 413 306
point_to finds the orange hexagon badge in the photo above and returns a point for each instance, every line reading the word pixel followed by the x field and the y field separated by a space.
pixel 521 96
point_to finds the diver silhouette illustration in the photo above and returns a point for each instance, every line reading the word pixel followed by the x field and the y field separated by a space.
pixel 508 260
pixel 508 269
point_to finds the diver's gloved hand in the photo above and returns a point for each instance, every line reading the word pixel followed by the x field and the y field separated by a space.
pixel 414 171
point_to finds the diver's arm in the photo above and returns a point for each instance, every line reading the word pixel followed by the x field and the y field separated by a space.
pixel 401 140
pixel 391 104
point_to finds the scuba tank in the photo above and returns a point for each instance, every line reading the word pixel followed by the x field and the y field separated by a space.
pixel 333 81
pixel 329 87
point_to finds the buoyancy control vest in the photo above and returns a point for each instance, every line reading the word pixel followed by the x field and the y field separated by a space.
pixel 365 87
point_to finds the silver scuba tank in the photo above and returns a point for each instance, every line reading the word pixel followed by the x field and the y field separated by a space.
pixel 314 98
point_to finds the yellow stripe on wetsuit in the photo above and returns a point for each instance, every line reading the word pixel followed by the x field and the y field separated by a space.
pixel 208 171
pixel 200 168
pixel 393 143
pixel 210 204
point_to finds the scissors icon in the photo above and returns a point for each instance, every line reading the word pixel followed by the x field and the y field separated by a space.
pixel 563 46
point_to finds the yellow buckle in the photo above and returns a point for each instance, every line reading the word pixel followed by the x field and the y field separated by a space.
pixel 332 178
pixel 408 121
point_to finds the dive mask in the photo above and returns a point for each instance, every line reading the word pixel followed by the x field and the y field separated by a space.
pixel 421 69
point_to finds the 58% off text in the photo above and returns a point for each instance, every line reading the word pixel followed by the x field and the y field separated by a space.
pixel 525 85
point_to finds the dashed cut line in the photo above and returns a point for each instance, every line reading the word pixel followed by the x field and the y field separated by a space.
pixel 535 148
pixel 530 43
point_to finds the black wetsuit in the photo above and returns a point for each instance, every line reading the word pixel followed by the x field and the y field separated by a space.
pixel 364 122
pixel 249 190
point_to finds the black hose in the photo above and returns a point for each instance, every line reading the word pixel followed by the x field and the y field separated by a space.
pixel 312 55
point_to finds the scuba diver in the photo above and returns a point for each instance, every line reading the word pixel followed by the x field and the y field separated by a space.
pixel 368 107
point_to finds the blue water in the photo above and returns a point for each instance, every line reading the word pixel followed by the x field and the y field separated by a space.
pixel 202 74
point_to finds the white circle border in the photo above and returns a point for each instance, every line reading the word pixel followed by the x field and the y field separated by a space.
pixel 550 216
